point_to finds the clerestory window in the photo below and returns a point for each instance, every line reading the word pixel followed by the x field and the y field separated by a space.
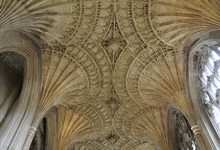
pixel 209 76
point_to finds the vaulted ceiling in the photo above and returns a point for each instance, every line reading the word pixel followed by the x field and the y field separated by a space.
pixel 112 67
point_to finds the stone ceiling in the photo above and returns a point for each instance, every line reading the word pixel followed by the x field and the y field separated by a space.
pixel 112 67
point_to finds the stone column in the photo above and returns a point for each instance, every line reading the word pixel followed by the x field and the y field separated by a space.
pixel 31 132
pixel 198 138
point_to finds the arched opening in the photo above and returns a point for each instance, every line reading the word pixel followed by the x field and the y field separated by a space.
pixel 11 78
pixel 180 134
pixel 46 133
pixel 23 57
pixel 38 142
pixel 203 86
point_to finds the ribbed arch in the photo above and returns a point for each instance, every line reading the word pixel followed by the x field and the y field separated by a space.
pixel 25 107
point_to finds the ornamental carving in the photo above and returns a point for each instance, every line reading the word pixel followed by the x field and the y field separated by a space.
pixel 111 68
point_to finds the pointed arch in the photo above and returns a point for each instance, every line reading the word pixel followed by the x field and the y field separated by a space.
pixel 201 43
pixel 14 130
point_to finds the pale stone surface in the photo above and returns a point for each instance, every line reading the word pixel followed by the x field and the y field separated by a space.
pixel 104 73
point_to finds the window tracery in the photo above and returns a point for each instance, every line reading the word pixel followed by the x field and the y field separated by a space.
pixel 209 76
pixel 184 135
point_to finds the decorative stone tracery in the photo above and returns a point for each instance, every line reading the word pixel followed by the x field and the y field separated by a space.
pixel 110 68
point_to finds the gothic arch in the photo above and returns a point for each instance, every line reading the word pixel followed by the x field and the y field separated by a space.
pixel 199 43
pixel 180 133
pixel 16 129
pixel 112 67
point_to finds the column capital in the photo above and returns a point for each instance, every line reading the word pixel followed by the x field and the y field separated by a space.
pixel 32 130
pixel 196 129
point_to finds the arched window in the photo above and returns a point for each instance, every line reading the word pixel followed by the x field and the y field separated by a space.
pixel 180 134
pixel 203 77
pixel 209 76
pixel 184 135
